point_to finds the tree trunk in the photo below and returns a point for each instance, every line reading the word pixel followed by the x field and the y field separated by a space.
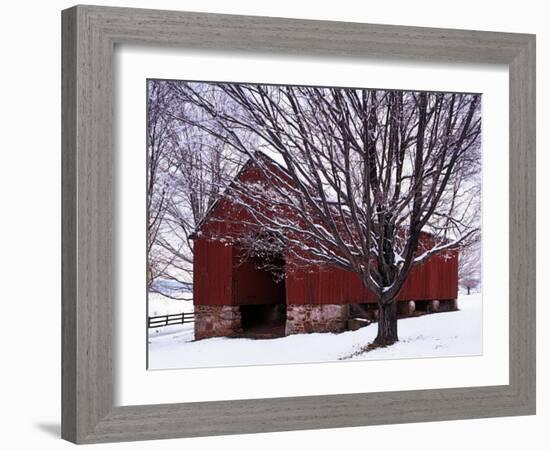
pixel 468 290
pixel 387 323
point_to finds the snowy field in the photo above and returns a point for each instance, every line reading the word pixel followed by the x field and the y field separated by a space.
pixel 160 305
pixel 456 333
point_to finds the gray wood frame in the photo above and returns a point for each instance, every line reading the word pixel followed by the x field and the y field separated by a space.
pixel 89 36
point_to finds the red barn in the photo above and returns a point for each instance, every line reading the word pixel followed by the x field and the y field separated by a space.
pixel 234 297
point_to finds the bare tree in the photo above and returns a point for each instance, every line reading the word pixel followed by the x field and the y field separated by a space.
pixel 469 268
pixel 159 138
pixel 355 176
pixel 187 170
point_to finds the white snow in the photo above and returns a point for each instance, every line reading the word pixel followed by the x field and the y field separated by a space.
pixel 457 333
pixel 160 305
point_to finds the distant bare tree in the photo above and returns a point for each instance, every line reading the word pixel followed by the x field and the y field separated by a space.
pixel 469 268
pixel 364 172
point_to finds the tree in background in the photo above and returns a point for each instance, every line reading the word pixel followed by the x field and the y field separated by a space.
pixel 469 268
pixel 187 170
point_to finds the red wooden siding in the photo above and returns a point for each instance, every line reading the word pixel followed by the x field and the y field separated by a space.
pixel 212 273
pixel 436 279
pixel 219 280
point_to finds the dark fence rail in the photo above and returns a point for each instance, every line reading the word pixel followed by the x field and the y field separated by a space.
pixel 170 319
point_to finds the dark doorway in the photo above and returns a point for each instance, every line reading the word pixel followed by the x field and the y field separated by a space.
pixel 259 290
pixel 263 321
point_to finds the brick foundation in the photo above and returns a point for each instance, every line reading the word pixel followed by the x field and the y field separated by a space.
pixel 316 318
pixel 216 321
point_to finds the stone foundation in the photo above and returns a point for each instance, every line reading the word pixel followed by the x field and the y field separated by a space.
pixel 406 308
pixel 316 318
pixel 434 306
pixel 217 321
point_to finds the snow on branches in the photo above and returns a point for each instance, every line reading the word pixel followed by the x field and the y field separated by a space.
pixel 360 174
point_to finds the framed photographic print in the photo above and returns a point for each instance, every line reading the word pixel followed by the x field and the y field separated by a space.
pixel 261 201
pixel 304 210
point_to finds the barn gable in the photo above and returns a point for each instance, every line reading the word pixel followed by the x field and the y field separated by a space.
pixel 222 212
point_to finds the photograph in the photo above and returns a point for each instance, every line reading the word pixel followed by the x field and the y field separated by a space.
pixel 298 224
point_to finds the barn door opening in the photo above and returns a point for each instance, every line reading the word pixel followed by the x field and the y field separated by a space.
pixel 263 321
pixel 259 291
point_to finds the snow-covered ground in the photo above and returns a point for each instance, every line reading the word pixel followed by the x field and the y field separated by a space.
pixel 160 305
pixel 456 333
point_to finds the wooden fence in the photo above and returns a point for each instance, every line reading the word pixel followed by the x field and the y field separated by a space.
pixel 170 319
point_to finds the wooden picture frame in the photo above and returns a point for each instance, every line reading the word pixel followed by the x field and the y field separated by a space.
pixel 90 34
